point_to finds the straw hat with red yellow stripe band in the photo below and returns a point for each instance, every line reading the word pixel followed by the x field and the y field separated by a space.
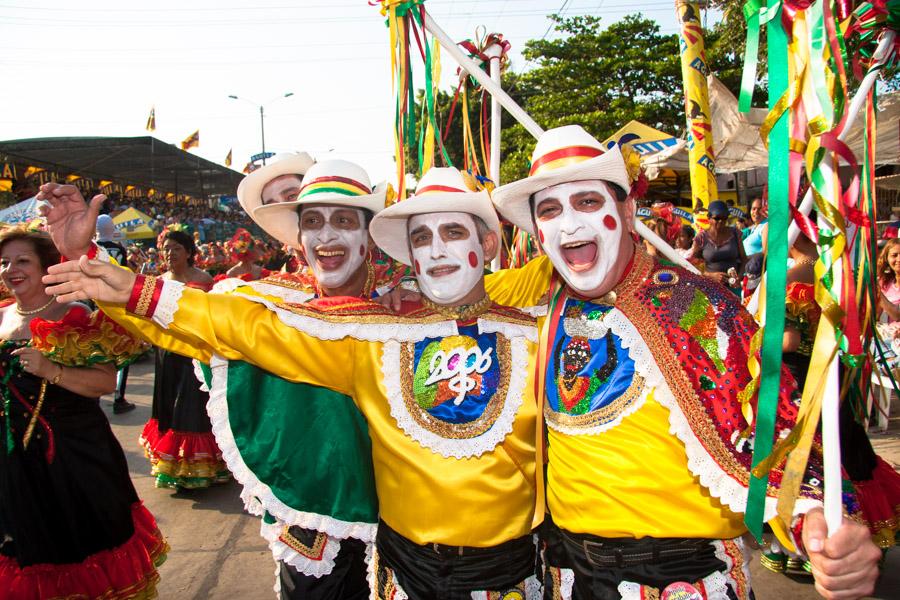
pixel 330 183
pixel 562 155
pixel 441 190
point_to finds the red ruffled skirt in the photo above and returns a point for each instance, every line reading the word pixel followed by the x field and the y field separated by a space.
pixel 183 459
pixel 127 571
pixel 879 500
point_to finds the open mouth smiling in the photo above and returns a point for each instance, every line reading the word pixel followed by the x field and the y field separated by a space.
pixel 330 257
pixel 579 255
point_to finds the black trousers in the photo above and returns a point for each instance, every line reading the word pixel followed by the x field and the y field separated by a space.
pixel 438 572
pixel 347 581
pixel 601 564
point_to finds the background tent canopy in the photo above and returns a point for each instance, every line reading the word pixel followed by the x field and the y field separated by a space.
pixel 134 224
pixel 643 138
pixel 23 212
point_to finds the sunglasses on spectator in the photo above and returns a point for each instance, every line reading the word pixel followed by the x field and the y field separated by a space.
pixel 719 218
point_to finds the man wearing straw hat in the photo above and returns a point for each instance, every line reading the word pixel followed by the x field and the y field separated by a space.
pixel 316 519
pixel 445 387
pixel 640 369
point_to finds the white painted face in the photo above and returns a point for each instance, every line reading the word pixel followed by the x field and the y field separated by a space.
pixel 581 229
pixel 284 188
pixel 335 241
pixel 447 256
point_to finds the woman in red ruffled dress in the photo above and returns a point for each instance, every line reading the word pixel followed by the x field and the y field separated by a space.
pixel 178 438
pixel 71 523
pixel 245 251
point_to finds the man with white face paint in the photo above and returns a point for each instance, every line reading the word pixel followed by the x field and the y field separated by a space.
pixel 643 364
pixel 444 385
pixel 317 519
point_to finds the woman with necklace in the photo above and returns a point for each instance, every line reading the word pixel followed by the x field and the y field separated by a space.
pixel 178 438
pixel 71 523
pixel 720 249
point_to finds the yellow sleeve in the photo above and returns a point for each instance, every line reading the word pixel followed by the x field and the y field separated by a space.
pixel 521 287
pixel 153 333
pixel 240 329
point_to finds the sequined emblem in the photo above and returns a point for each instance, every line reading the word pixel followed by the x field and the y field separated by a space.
pixel 665 276
pixel 591 380
pixel 457 384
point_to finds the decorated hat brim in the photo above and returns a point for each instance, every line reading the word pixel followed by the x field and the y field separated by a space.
pixel 388 228
pixel 282 222
pixel 513 199
pixel 250 188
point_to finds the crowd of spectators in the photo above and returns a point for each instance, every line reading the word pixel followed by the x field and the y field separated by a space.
pixel 207 218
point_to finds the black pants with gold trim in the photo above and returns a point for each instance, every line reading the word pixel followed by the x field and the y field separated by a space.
pixel 439 572
pixel 346 581
pixel 614 568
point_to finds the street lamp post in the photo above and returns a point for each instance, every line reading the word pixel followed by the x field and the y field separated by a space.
pixel 262 117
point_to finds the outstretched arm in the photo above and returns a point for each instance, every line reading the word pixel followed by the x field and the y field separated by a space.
pixel 70 220
pixel 233 327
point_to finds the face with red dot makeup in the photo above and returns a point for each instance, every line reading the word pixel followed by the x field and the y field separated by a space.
pixel 335 241
pixel 447 257
pixel 584 231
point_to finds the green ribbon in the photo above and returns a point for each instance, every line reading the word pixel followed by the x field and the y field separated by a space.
pixel 776 272
pixel 756 15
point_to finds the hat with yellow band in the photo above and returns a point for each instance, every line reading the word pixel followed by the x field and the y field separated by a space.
pixel 562 155
pixel 331 183
pixel 441 190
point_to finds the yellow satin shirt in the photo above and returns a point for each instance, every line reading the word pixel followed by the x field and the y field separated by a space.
pixel 629 481
pixel 476 501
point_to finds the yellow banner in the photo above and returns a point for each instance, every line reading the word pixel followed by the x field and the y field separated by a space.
pixel 694 71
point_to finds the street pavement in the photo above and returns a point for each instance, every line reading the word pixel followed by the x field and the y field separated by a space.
pixel 217 552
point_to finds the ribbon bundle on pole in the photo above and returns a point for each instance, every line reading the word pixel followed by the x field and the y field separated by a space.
pixel 810 53
pixel 405 21
pixel 694 71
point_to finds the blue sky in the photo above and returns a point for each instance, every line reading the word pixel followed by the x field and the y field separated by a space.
pixel 95 68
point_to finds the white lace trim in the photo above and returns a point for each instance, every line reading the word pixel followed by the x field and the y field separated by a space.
pixel 227 286
pixel 566 583
pixel 257 496
pixel 103 255
pixel 510 330
pixel 538 310
pixel 644 365
pixel 372 577
pixel 198 373
pixel 456 448
pixel 722 555
pixel 533 590
pixel 277 587
pixel 284 553
pixel 168 303
pixel 367 332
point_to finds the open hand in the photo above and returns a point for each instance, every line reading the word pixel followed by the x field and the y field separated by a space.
pixel 844 565
pixel 86 279
pixel 70 220
pixel 394 298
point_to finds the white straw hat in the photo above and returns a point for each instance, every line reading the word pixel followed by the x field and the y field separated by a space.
pixel 562 155
pixel 441 190
pixel 330 182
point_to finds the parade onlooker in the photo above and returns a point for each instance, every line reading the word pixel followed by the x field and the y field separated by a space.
pixel 178 437
pixel 71 523
pixel 106 238
pixel 720 248
pixel 684 241
pixel 888 282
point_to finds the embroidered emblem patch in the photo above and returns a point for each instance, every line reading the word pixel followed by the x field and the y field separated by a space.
pixel 457 395
pixel 591 380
